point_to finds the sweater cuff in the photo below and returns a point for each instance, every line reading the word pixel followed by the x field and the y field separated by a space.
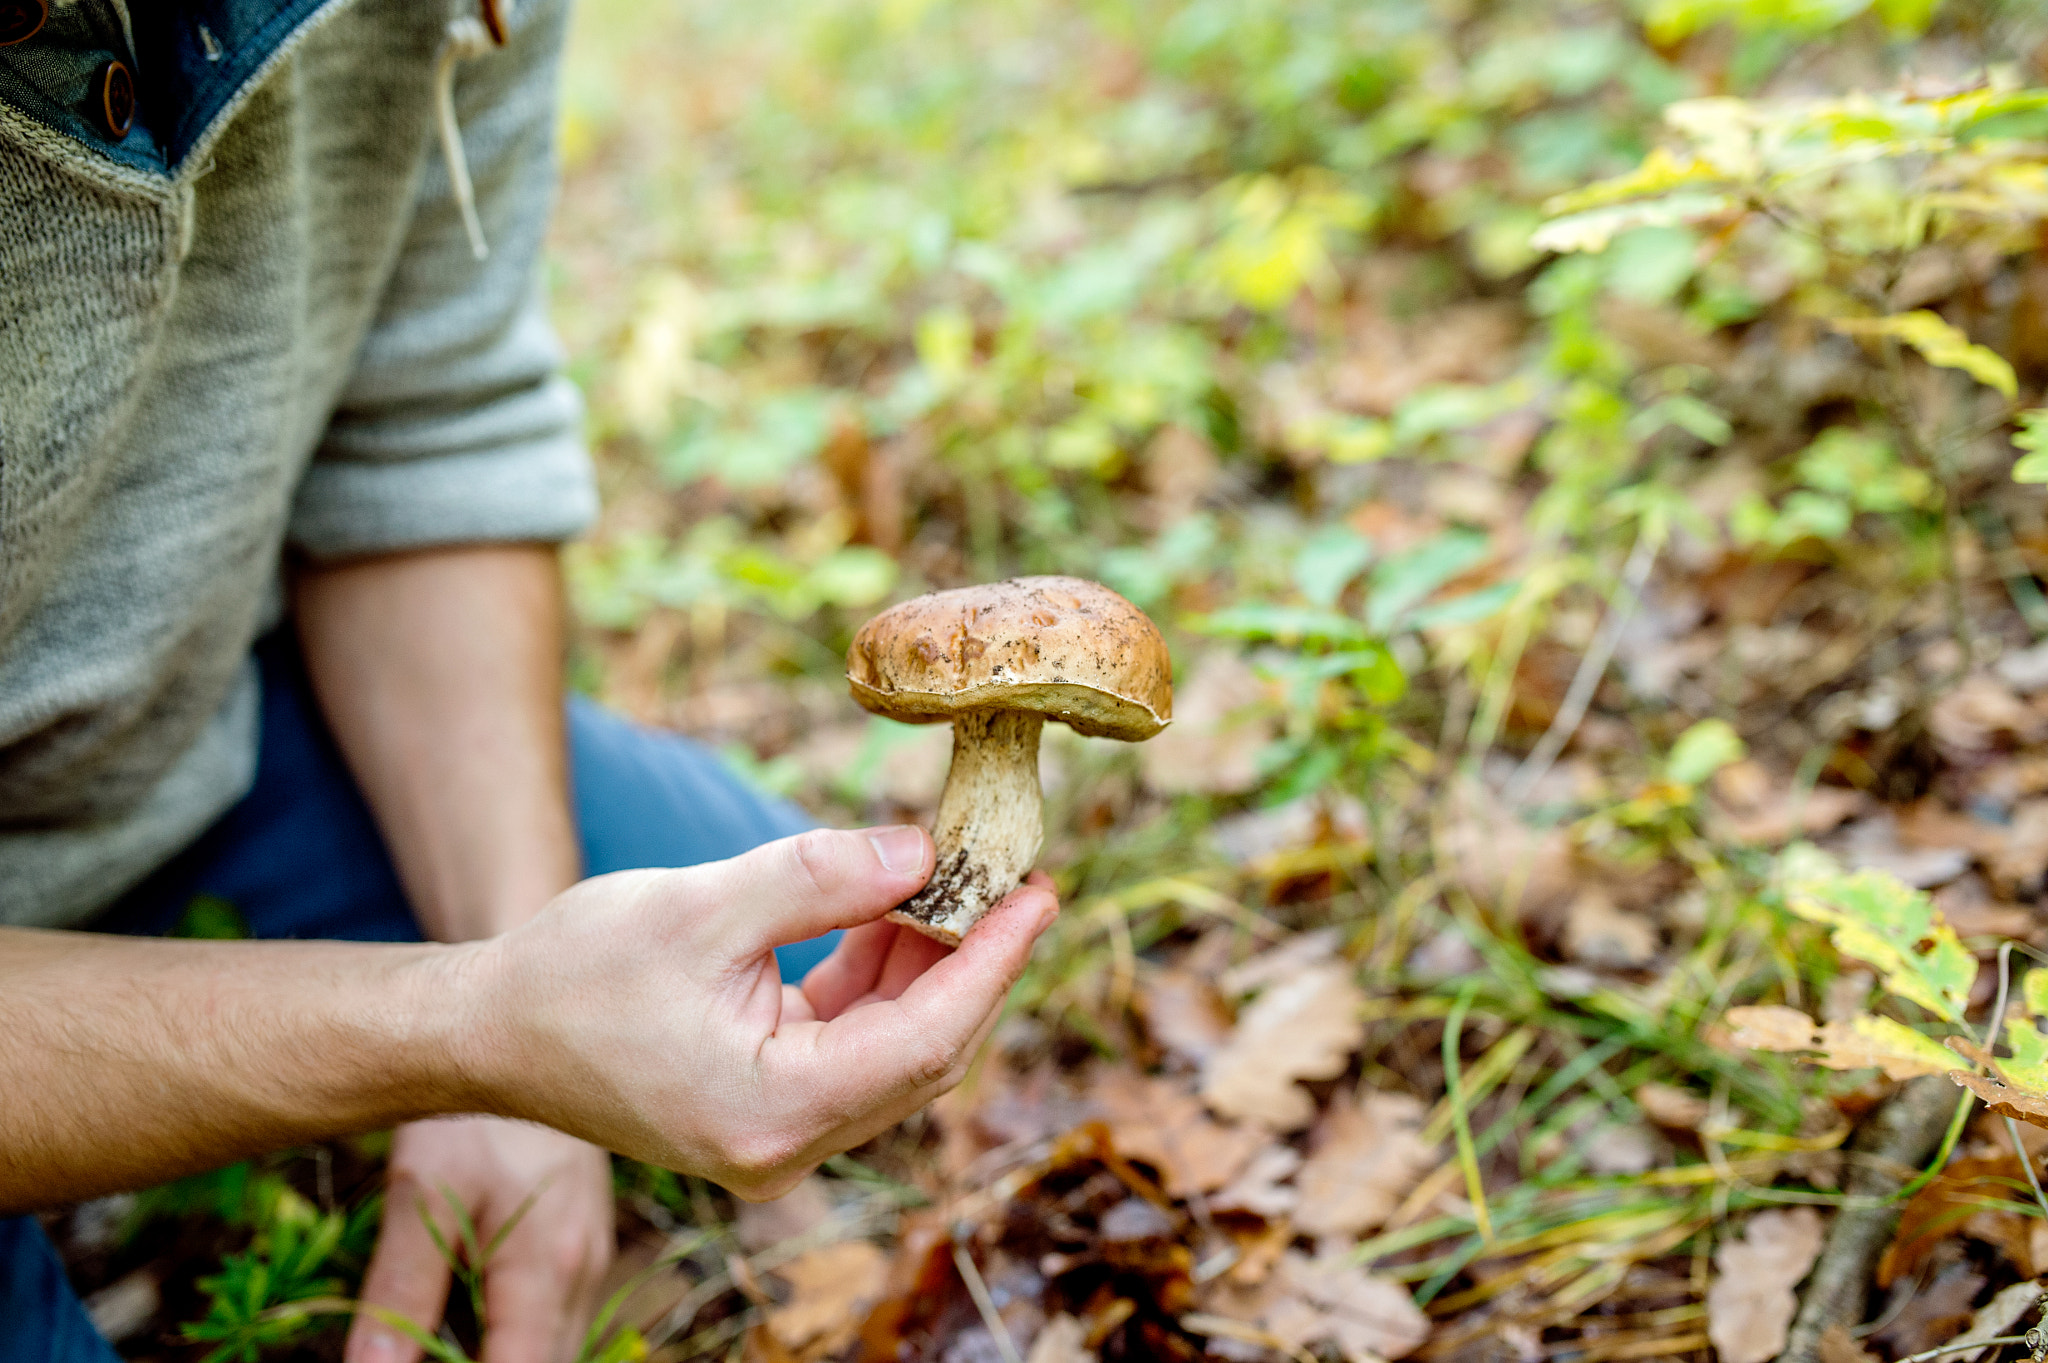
pixel 529 488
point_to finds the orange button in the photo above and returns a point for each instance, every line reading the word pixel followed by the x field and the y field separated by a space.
pixel 117 98
pixel 21 20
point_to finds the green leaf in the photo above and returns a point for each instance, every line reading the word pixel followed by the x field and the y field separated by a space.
pixel 2029 1062
pixel 1863 468
pixel 945 343
pixel 1861 1042
pixel 1885 923
pixel 1326 564
pixel 1659 173
pixel 1402 580
pixel 1651 264
pixel 2033 438
pixel 1906 18
pixel 1592 230
pixel 1373 669
pixel 1938 344
pixel 2034 990
pixel 856 575
pixel 1702 750
pixel 1468 609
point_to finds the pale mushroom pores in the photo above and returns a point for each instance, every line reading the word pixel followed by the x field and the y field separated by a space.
pixel 997 661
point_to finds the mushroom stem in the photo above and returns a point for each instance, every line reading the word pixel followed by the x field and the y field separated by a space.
pixel 990 823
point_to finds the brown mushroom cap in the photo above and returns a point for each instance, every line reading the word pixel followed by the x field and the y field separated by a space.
pixel 1070 649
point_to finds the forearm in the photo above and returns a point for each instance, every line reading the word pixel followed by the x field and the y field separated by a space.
pixel 129 1061
pixel 440 675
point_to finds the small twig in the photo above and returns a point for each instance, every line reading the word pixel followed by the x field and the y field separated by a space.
pixel 1963 1348
pixel 1904 1131
pixel 2012 1128
pixel 1586 681
pixel 983 1303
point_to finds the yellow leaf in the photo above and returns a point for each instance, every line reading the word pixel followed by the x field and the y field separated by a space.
pixel 2034 989
pixel 1863 1042
pixel 1939 344
pixel 1660 173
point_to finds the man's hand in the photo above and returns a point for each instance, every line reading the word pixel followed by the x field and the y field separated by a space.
pixel 541 1284
pixel 644 1011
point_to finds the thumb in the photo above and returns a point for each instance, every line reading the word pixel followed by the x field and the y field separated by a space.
pixel 797 888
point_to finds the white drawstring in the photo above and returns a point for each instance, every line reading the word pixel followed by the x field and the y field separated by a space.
pixel 467 39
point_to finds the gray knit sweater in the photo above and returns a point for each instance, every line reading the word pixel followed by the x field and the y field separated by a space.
pixel 250 329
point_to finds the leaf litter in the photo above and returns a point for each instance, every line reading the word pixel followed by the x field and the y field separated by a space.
pixel 1221 1120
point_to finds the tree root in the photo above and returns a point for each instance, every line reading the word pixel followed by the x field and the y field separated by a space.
pixel 1897 1140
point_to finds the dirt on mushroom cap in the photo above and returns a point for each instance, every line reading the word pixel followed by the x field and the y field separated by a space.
pixel 1071 649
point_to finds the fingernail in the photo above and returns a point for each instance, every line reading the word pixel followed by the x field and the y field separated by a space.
pixel 374 1346
pixel 900 849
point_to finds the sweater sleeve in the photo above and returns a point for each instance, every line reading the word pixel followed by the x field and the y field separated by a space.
pixel 457 425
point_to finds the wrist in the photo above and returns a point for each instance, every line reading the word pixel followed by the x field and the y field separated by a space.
pixel 456 1035
pixel 495 910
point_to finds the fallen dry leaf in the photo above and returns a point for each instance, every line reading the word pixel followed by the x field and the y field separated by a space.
pixel 1977 715
pixel 1278 963
pixel 1771 1027
pixel 1783 814
pixel 1750 1305
pixel 1997 1316
pixel 1837 1345
pixel 1256 834
pixel 1941 1209
pixel 1159 1122
pixel 1500 860
pixel 2005 1099
pixel 2018 866
pixel 1671 1107
pixel 1183 1013
pixel 1262 1189
pixel 1876 844
pixel 1622 1148
pixel 1218 731
pixel 1860 1043
pixel 1597 932
pixel 1935 1314
pixel 831 1289
pixel 1063 1340
pixel 1329 1299
pixel 1967 906
pixel 1370 1157
pixel 1300 1028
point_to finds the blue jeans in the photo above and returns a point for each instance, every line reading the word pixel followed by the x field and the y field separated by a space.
pixel 301 856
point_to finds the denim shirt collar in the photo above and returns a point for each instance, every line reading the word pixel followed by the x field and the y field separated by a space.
pixel 189 60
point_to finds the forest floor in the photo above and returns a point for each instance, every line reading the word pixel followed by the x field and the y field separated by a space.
pixel 1571 648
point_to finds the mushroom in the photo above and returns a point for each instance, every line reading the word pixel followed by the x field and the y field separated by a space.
pixel 998 661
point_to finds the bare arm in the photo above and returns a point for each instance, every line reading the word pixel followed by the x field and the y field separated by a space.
pixel 440 675
pixel 641 1011
pixel 129 1061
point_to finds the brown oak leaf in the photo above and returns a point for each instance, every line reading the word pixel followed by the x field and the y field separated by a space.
pixel 831 1289
pixel 1371 1157
pixel 1159 1122
pixel 1750 1305
pixel 1303 1027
